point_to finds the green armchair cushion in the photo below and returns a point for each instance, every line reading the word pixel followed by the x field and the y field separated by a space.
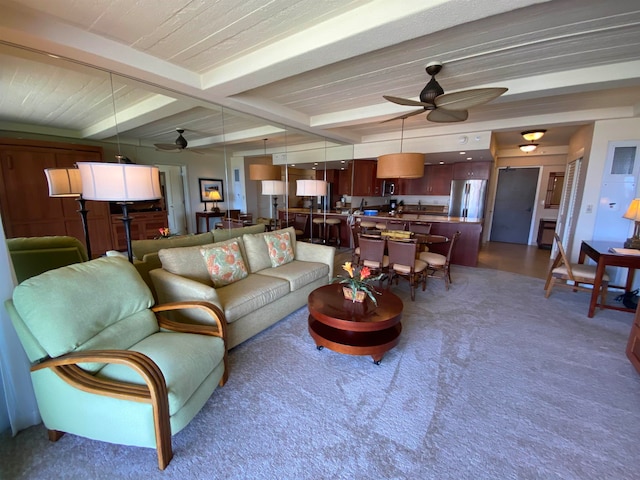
pixel 74 309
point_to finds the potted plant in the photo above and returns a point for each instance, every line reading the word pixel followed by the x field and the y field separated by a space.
pixel 358 285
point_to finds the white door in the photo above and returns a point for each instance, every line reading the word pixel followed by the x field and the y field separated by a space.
pixel 173 187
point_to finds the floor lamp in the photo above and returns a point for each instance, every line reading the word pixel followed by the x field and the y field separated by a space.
pixel 122 183
pixel 66 183
pixel 274 188
pixel 311 188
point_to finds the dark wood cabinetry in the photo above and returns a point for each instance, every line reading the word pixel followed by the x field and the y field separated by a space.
pixel 471 170
pixel 144 225
pixel 435 181
pixel 365 183
pixel 28 211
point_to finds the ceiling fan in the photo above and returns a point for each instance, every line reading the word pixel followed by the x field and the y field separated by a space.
pixel 179 145
pixel 445 107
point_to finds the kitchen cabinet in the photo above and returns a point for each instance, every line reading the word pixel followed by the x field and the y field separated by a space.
pixel 144 225
pixel 435 181
pixel 365 183
pixel 344 180
pixel 25 205
pixel 471 170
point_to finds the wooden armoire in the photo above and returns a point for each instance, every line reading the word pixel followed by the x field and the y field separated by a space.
pixel 28 211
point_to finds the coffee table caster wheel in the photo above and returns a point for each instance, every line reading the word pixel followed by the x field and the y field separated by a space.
pixel 319 347
pixel 377 362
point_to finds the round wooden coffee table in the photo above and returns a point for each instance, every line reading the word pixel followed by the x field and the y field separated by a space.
pixel 354 328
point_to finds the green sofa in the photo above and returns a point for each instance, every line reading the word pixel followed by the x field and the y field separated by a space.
pixel 255 302
pixel 32 256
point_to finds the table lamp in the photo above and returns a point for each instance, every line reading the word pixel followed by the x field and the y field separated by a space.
pixel 215 197
pixel 633 213
pixel 66 182
pixel 123 183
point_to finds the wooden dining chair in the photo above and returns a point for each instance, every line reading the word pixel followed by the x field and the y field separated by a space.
pixel 403 263
pixel 355 234
pixel 573 275
pixel 438 265
pixel 372 254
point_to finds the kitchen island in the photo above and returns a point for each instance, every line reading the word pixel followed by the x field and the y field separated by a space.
pixel 465 252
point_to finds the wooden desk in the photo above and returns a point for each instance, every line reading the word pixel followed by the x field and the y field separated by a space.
pixel 599 252
pixel 207 217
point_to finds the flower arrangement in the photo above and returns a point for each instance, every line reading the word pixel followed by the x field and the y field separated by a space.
pixel 359 280
pixel 164 232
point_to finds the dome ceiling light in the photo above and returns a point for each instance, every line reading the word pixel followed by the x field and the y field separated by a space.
pixel 531 136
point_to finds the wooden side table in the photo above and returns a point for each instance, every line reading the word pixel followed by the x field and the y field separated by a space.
pixel 207 217
pixel 354 328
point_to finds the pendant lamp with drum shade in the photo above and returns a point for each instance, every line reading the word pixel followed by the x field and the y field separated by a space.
pixel 401 165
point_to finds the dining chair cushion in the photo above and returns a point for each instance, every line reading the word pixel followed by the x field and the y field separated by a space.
pixel 580 271
pixel 418 266
pixel 433 258
pixel 374 264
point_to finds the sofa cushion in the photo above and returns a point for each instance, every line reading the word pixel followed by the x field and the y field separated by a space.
pixel 279 248
pixel 257 251
pixel 243 297
pixel 140 248
pixel 224 263
pixel 222 234
pixel 188 262
pixel 298 273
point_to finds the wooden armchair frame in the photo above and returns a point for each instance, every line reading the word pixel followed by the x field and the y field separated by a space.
pixel 155 391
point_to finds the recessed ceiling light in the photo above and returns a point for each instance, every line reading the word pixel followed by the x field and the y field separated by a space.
pixel 469 158
pixel 463 153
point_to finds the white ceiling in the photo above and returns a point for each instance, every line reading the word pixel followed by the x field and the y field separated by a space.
pixel 312 68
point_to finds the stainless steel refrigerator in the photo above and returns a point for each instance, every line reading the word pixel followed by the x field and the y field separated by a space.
pixel 467 198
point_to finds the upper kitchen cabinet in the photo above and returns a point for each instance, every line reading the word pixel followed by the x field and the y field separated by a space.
pixel 365 183
pixel 435 181
pixel 471 170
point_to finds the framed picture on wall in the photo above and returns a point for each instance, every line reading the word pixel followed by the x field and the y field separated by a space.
pixel 207 186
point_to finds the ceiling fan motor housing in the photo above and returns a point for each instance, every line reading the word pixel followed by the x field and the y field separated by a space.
pixel 430 92
pixel 181 142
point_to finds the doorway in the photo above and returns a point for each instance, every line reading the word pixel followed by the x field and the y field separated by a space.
pixel 171 182
pixel 513 209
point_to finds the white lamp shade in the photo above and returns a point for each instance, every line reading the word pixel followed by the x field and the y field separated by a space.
pixel 311 188
pixel 273 187
pixel 64 182
pixel 633 212
pixel 119 182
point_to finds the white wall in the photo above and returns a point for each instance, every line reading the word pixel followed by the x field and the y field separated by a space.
pixel 603 132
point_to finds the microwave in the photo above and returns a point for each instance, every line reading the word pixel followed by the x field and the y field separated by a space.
pixel 388 188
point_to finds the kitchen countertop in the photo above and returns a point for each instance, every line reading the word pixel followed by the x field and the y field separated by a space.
pixel 398 216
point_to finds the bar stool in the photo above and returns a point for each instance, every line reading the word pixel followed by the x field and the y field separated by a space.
pixel 367 225
pixel 333 230
pixel 319 222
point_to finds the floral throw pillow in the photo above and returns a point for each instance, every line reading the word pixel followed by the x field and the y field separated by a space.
pixel 280 249
pixel 224 263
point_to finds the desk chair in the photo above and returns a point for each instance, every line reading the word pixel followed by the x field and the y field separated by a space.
pixel 438 266
pixel 571 275
pixel 403 263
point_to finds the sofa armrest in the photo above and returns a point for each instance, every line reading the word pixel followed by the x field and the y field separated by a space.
pixel 313 252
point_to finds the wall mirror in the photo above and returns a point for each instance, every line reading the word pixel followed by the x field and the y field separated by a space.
pixel 554 190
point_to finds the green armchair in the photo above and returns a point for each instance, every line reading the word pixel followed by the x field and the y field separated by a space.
pixel 34 255
pixel 105 363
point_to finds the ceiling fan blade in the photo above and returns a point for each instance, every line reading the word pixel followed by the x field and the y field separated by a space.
pixel 406 101
pixel 447 116
pixel 166 146
pixel 468 98
pixel 406 115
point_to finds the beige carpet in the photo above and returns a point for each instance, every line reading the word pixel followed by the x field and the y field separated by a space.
pixel 490 381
